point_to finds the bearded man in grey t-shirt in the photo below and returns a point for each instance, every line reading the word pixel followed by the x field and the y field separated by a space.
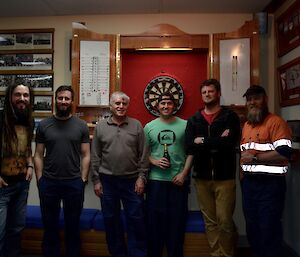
pixel 61 161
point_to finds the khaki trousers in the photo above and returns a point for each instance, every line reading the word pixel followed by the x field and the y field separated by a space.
pixel 217 203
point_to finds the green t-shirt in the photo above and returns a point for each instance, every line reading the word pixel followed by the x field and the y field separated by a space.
pixel 159 133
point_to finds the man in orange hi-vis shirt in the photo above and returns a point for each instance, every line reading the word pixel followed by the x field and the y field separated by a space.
pixel 265 151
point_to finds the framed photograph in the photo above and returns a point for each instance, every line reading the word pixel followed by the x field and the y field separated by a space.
pixel 24 39
pixel 5 81
pixel 26 57
pixel 2 98
pixel 7 41
pixel 42 103
pixel 288 29
pixel 26 61
pixel 42 40
pixel 289 83
pixel 38 82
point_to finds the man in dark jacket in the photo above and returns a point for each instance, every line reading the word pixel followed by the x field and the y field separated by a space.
pixel 212 136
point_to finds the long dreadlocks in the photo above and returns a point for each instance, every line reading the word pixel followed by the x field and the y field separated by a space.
pixel 10 119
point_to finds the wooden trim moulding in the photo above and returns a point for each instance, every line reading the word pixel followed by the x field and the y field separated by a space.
pixel 248 30
pixel 164 35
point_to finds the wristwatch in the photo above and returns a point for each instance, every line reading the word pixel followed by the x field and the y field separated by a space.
pixel 29 165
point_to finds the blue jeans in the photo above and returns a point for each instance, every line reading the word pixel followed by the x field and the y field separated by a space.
pixel 71 193
pixel 263 203
pixel 13 200
pixel 166 217
pixel 115 191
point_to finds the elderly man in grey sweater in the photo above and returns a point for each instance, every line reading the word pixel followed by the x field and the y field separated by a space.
pixel 119 164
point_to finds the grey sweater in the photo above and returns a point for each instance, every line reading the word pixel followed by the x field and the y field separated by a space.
pixel 119 150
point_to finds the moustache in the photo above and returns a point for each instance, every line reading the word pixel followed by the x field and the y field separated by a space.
pixel 21 101
pixel 254 107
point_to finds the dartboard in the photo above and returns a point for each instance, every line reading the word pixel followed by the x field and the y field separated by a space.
pixel 160 85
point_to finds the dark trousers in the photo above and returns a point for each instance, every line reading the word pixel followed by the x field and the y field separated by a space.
pixel 13 201
pixel 52 193
pixel 166 217
pixel 115 191
pixel 263 203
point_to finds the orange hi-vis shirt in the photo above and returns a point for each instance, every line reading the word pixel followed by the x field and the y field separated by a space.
pixel 272 133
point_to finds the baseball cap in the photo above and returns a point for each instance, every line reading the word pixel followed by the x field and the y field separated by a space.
pixel 255 90
pixel 166 95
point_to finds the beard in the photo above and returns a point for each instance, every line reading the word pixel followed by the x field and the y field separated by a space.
pixel 63 113
pixel 257 115
pixel 22 115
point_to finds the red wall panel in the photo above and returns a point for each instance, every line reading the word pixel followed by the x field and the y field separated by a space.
pixel 139 68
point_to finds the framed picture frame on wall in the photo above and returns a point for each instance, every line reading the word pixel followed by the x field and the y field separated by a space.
pixel 289 83
pixel 288 29
pixel 38 82
pixel 26 39
pixel 42 104
pixel 26 61
pixel 26 57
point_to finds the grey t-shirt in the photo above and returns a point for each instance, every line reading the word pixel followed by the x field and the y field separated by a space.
pixel 62 140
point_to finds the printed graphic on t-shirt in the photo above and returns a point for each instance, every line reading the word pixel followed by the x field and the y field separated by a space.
pixel 15 164
pixel 167 137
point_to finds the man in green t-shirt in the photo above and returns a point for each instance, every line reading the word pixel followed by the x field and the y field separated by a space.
pixel 167 189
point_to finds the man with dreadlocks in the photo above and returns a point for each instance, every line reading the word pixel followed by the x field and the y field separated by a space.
pixel 16 127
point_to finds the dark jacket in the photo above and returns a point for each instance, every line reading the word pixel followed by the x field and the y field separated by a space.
pixel 215 159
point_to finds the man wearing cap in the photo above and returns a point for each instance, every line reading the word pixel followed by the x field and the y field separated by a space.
pixel 167 189
pixel 212 137
pixel 265 151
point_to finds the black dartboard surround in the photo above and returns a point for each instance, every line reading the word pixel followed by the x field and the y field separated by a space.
pixel 159 85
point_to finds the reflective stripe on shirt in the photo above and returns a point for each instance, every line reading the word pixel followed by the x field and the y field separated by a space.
pixel 265 169
pixel 266 146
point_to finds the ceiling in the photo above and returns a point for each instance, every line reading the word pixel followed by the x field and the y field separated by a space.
pixel 17 8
